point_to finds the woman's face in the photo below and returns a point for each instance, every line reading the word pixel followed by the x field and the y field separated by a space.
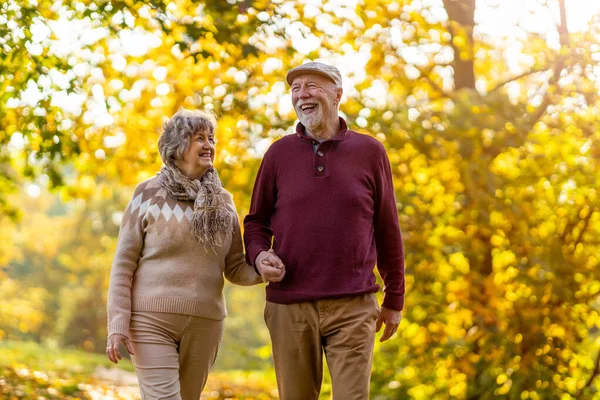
pixel 199 155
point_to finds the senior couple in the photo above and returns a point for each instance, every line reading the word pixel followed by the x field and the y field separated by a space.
pixel 322 215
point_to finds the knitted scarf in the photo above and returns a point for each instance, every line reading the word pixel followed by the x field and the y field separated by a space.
pixel 212 218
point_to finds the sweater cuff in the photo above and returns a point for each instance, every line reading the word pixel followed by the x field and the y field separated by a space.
pixel 253 252
pixel 393 302
pixel 118 326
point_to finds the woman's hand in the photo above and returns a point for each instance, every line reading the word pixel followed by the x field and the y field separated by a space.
pixel 112 347
pixel 270 266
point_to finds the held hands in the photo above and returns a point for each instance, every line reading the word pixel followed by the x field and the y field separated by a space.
pixel 391 319
pixel 112 347
pixel 269 266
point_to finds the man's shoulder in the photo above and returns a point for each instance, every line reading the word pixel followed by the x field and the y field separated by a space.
pixel 283 143
pixel 285 140
pixel 365 140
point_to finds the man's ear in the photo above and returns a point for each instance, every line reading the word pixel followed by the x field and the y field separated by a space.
pixel 338 94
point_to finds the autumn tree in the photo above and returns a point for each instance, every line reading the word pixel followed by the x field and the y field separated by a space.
pixel 493 143
pixel 78 76
pixel 497 193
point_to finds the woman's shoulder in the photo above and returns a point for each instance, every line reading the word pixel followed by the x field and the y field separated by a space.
pixel 149 183
pixel 148 188
pixel 226 196
pixel 227 199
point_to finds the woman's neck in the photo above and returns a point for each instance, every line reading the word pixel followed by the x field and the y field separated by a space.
pixel 192 172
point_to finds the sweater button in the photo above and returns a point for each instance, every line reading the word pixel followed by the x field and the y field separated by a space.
pixel 320 168
pixel 320 153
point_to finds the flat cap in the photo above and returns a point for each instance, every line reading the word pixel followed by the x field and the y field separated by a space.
pixel 328 71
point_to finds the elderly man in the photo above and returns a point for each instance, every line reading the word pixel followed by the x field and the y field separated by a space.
pixel 325 194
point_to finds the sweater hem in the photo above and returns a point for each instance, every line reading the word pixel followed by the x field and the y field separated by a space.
pixel 280 297
pixel 178 305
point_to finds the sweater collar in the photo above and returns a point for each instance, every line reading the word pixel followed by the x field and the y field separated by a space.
pixel 341 135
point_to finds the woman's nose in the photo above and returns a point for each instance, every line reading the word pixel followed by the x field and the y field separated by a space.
pixel 207 144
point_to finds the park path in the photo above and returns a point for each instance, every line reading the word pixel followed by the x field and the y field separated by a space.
pixel 114 384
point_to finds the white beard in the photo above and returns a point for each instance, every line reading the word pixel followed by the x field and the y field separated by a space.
pixel 311 120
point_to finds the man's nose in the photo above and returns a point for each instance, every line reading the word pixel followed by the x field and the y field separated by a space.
pixel 303 92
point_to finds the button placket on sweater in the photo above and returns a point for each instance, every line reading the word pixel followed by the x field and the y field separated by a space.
pixel 319 158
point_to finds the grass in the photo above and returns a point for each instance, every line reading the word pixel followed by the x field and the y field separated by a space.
pixel 35 356
pixel 31 371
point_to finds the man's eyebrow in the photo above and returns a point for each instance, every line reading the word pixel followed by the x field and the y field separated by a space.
pixel 308 82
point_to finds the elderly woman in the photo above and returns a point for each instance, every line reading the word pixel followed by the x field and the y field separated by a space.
pixel 179 235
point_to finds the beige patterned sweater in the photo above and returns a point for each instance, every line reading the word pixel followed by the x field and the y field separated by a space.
pixel 160 266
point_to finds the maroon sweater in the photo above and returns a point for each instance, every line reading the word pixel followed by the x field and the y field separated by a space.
pixel 333 216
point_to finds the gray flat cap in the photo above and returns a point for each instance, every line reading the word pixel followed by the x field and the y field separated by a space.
pixel 313 67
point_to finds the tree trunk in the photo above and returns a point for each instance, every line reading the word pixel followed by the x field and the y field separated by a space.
pixel 461 21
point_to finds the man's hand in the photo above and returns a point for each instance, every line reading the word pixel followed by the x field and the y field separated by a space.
pixel 269 266
pixel 391 319
pixel 112 347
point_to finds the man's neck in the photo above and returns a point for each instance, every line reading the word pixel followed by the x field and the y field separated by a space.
pixel 326 130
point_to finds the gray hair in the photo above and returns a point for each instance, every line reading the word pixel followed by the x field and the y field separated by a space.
pixel 178 130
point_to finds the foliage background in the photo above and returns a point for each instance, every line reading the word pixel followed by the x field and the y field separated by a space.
pixel 493 140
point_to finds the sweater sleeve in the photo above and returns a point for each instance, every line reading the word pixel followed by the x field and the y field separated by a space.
pixel 258 233
pixel 129 247
pixel 236 269
pixel 388 238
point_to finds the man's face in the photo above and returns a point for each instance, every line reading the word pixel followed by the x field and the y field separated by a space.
pixel 315 99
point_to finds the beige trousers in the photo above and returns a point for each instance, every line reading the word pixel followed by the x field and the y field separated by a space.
pixel 342 329
pixel 173 353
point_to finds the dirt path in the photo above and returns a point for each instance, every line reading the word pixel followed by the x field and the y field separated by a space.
pixel 114 384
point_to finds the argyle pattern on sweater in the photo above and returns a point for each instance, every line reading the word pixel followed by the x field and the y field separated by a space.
pixel 160 266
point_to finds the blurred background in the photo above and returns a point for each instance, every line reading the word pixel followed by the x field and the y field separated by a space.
pixel 489 110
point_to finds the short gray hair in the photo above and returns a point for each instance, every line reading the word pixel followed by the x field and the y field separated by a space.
pixel 178 130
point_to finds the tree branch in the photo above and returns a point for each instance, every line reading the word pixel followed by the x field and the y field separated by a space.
pixel 585 226
pixel 560 62
pixel 595 373
pixel 433 84
pixel 516 78
pixel 426 74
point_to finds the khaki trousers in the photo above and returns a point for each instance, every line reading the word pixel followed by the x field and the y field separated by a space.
pixel 343 329
pixel 173 353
